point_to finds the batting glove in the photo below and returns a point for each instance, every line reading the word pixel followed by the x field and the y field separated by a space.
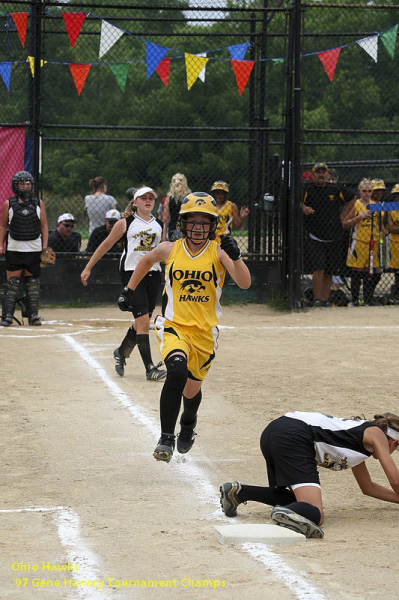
pixel 230 246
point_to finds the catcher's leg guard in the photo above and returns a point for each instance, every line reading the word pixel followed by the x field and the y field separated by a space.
pixel 32 299
pixel 9 301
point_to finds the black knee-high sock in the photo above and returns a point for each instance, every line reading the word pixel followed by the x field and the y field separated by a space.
pixel 190 409
pixel 356 279
pixel 143 342
pixel 266 495
pixel 128 343
pixel 307 510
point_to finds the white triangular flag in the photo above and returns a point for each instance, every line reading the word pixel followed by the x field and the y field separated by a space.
pixel 370 45
pixel 202 73
pixel 109 36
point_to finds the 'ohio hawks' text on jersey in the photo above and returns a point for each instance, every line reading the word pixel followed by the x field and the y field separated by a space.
pixel 192 290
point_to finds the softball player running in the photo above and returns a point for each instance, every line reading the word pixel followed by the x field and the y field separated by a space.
pixel 141 233
pixel 187 330
pixel 295 444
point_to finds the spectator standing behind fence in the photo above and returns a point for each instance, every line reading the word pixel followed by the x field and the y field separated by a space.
pixel 229 215
pixel 178 190
pixel 325 207
pixel 24 223
pixel 360 221
pixel 98 203
pixel 393 228
pixel 99 234
pixel 141 233
pixel 64 238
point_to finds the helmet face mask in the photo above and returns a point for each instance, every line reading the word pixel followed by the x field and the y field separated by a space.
pixel 198 203
pixel 22 177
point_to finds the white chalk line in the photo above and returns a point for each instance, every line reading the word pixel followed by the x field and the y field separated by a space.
pixel 68 529
pixel 197 476
pixel 296 583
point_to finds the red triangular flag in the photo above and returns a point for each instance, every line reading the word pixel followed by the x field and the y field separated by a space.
pixel 163 70
pixel 242 71
pixel 79 74
pixel 73 23
pixel 329 58
pixel 20 20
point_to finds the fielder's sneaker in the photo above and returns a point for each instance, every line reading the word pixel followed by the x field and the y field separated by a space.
pixel 285 517
pixel 154 373
pixel 120 362
pixel 166 445
pixel 186 437
pixel 229 499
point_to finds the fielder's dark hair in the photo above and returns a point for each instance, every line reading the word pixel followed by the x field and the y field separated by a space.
pixel 385 420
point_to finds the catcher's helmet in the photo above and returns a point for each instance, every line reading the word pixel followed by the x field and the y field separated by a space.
pixel 202 204
pixel 395 189
pixel 221 186
pixel 17 178
pixel 378 184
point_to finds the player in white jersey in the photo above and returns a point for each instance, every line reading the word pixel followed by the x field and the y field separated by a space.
pixel 295 444
pixel 141 233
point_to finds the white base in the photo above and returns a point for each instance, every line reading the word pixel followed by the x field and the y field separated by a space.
pixel 264 534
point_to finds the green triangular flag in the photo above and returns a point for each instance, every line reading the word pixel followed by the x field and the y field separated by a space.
pixel 277 61
pixel 389 40
pixel 120 70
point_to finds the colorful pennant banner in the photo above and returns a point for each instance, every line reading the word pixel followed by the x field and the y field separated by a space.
pixel 195 63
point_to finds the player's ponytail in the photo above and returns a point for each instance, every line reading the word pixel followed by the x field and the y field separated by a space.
pixel 130 210
pixel 387 422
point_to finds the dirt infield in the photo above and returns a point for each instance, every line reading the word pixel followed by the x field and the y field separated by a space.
pixel 83 502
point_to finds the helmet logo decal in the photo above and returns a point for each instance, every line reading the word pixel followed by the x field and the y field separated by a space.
pixel 199 202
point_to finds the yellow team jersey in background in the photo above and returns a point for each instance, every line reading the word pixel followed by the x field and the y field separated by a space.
pixel 193 286
pixel 225 220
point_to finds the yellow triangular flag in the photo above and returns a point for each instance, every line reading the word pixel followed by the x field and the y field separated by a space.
pixel 194 66
pixel 31 61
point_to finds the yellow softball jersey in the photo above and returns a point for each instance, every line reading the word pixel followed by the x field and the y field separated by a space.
pixel 358 251
pixel 225 220
pixel 193 286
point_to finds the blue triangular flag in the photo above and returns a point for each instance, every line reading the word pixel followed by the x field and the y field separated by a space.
pixel 238 51
pixel 5 72
pixel 154 55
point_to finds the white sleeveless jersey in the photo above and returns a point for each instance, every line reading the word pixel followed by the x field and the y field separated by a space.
pixel 140 237
pixel 338 442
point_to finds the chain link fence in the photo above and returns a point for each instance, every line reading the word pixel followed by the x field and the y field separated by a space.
pixel 350 122
pixel 135 94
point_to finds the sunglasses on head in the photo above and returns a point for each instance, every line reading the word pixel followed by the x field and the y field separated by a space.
pixel 69 225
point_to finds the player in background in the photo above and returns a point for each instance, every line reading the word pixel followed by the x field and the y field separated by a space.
pixel 228 212
pixel 362 224
pixel 187 331
pixel 393 228
pixel 141 233
pixel 24 224
pixel 295 444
